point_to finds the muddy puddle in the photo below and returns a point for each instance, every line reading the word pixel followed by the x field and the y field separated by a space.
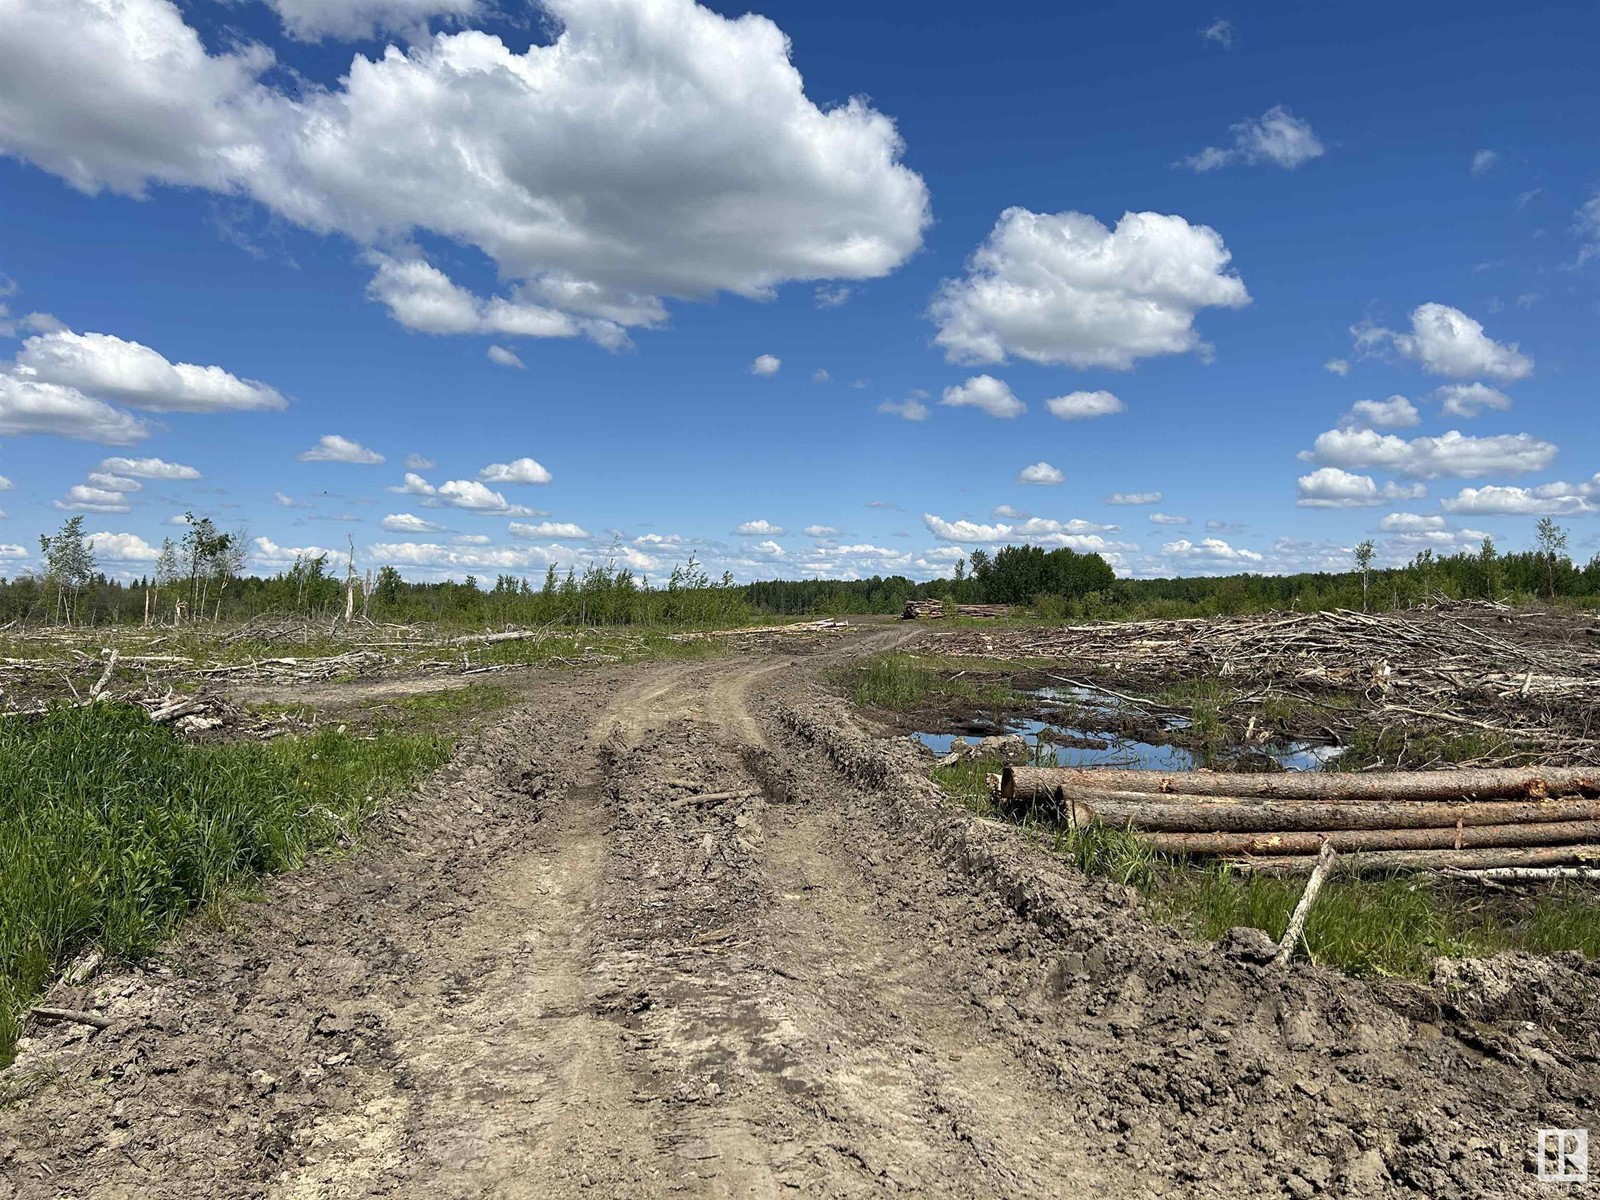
pixel 1080 727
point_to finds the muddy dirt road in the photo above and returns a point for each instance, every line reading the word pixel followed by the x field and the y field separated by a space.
pixel 687 929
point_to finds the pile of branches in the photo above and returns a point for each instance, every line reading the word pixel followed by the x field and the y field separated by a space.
pixel 1532 822
pixel 919 609
pixel 308 670
pixel 1423 666
pixel 752 633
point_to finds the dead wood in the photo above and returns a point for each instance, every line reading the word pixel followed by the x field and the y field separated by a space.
pixel 72 1016
pixel 1379 862
pixel 1037 784
pixel 1462 837
pixel 1297 920
pixel 1230 814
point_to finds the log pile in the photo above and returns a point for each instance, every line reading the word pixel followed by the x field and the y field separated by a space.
pixel 932 609
pixel 1420 820
pixel 1427 668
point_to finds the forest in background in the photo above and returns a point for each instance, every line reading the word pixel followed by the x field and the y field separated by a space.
pixel 200 578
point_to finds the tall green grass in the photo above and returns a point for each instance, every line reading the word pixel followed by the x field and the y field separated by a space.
pixel 111 829
pixel 901 682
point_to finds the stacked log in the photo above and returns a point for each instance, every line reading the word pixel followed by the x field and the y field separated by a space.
pixel 918 609
pixel 983 610
pixel 1438 820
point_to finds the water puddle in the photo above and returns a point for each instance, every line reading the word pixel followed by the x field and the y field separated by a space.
pixel 1077 740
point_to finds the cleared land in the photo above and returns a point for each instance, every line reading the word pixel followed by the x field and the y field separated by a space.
pixel 690 927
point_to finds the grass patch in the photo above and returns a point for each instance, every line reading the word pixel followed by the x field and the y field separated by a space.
pixel 1387 926
pixel 903 682
pixel 473 700
pixel 115 830
pixel 1410 747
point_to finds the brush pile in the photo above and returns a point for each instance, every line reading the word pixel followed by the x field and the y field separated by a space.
pixel 1427 666
pixel 933 609
pixel 1530 817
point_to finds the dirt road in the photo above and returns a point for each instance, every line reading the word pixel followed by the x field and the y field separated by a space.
pixel 685 929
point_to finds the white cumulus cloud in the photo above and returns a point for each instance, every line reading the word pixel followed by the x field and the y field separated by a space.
pixel 1210 554
pixel 1277 136
pixel 1450 454
pixel 1063 289
pixel 522 470
pixel 1394 413
pixel 148 468
pixel 125 372
pixel 1078 405
pixel 911 408
pixel 1498 500
pixel 600 172
pixel 473 496
pixel 1445 341
pixel 1469 399
pixel 502 357
pixel 1405 522
pixel 1040 473
pixel 766 364
pixel 407 523
pixel 331 447
pixel 1075 534
pixel 27 407
pixel 758 528
pixel 123 548
pixel 556 530
pixel 82 497
pixel 1330 487
pixel 987 393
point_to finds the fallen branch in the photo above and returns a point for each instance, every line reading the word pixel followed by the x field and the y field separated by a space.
pixel 1297 919
pixel 1530 874
pixel 71 1016
pixel 99 687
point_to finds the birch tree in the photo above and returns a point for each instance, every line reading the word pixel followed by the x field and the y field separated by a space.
pixel 68 565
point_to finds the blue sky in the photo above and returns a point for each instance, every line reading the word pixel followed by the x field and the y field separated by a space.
pixel 821 269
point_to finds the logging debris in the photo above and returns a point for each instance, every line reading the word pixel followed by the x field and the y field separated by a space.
pixel 1425 669
pixel 917 610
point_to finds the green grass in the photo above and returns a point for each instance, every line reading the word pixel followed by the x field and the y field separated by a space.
pixel 114 829
pixel 1385 926
pixel 1373 745
pixel 903 682
pixel 475 699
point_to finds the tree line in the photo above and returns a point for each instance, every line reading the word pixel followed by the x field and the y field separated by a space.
pixel 199 577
